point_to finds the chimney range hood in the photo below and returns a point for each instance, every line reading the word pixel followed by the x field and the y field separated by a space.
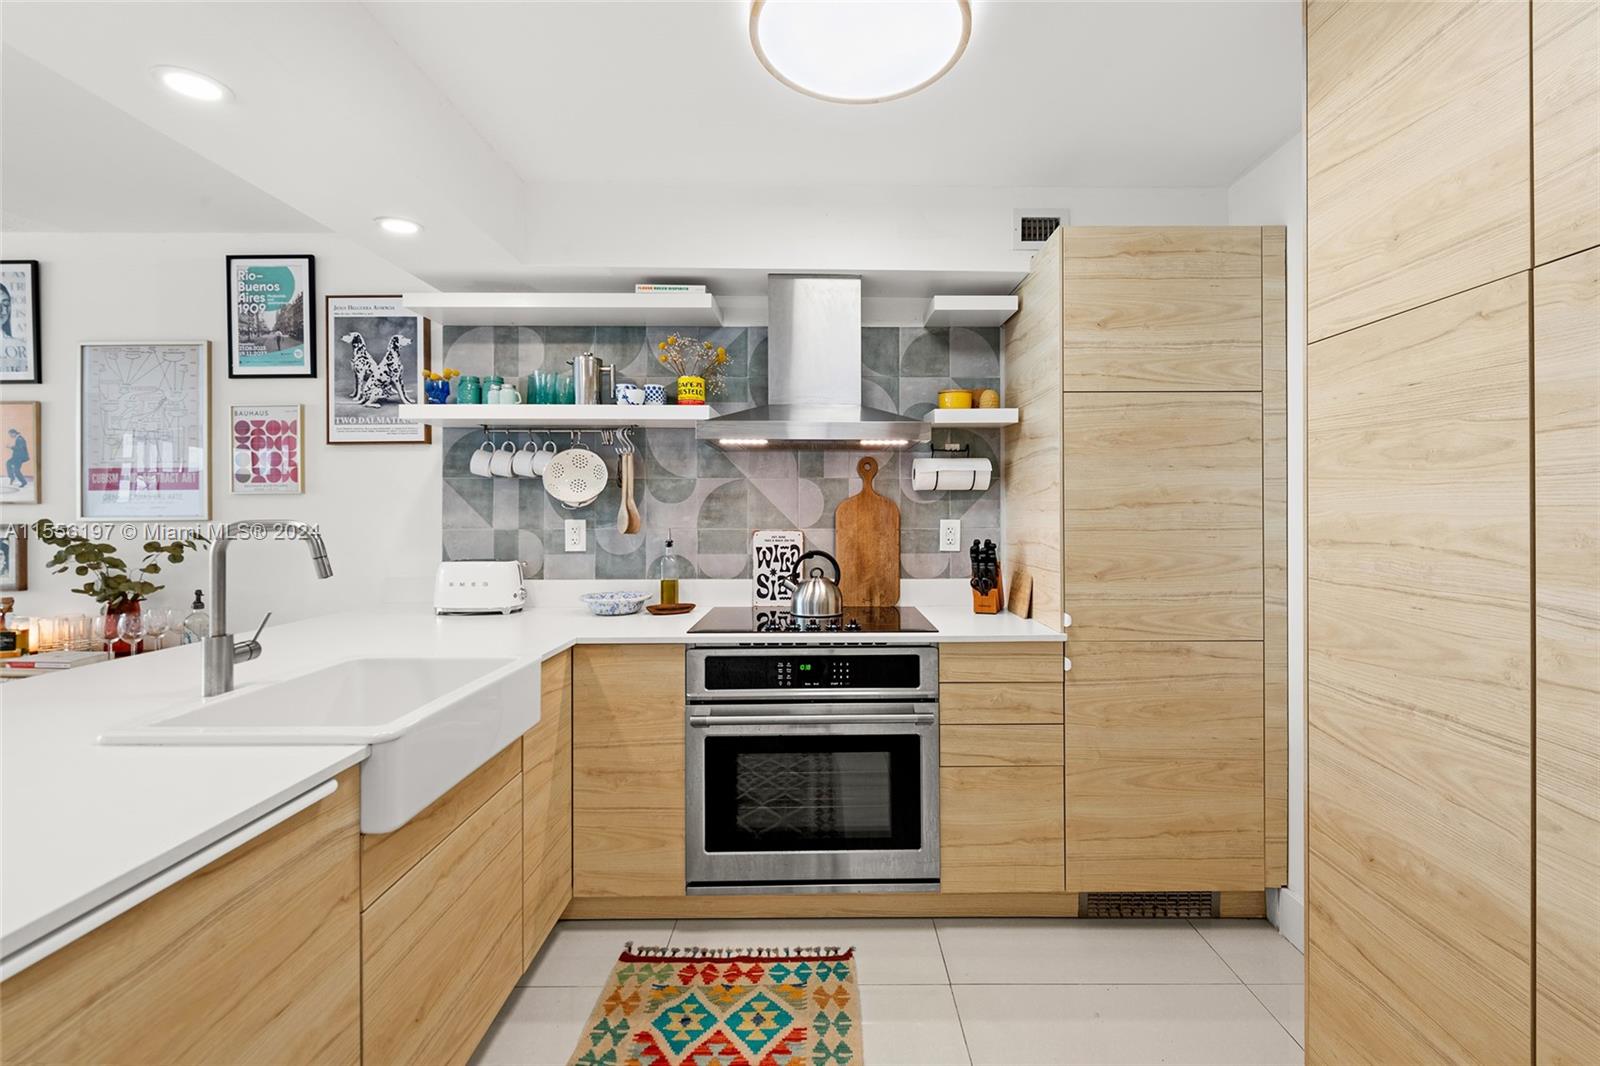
pixel 813 376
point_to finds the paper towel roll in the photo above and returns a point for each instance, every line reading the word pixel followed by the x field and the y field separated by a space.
pixel 950 475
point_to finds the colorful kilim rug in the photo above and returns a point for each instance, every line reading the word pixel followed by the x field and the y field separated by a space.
pixel 697 1007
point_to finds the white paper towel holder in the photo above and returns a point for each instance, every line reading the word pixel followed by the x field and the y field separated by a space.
pixel 950 475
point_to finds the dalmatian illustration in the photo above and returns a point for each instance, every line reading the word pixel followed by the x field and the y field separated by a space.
pixel 391 371
pixel 362 363
pixel 376 380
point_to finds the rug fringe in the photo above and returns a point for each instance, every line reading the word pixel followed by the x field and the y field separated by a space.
pixel 696 952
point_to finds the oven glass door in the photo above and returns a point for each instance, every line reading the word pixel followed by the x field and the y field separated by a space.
pixel 767 793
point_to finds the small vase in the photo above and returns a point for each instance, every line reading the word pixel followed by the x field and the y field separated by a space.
pixel 692 390
pixel 119 649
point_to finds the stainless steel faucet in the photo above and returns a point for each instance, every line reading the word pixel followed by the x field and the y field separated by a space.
pixel 220 651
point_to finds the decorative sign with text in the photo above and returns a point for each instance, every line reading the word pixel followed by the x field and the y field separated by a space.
pixel 773 553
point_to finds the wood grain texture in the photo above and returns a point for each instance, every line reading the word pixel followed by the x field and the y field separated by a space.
pixel 1241 905
pixel 442 949
pixel 255 958
pixel 1419 889
pixel 1417 148
pixel 547 808
pixel 1019 703
pixel 1163 518
pixel 866 538
pixel 627 770
pixel 1030 463
pixel 1055 904
pixel 1000 745
pixel 1566 449
pixel 385 857
pixel 1164 766
pixel 1566 127
pixel 1002 662
pixel 1275 548
pixel 1161 308
pixel 1000 829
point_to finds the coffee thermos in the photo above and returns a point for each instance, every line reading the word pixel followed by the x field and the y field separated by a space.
pixel 587 370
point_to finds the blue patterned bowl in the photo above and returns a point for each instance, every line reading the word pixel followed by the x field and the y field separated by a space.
pixel 608 604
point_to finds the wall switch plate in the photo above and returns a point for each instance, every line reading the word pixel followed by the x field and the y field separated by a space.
pixel 949 534
pixel 577 535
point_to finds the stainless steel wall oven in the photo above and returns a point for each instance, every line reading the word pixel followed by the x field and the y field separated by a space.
pixel 812 768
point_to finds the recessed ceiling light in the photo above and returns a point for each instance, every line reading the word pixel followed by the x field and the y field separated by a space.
pixel 859 51
pixel 194 86
pixel 402 226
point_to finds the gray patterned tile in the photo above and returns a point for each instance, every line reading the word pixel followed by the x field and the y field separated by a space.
pixel 468 503
pixel 975 352
pixel 726 507
pixel 468 543
pixel 924 353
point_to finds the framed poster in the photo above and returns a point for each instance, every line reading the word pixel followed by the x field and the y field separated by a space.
pixel 773 553
pixel 13 558
pixel 19 443
pixel 144 430
pixel 19 321
pixel 268 444
pixel 272 313
pixel 377 351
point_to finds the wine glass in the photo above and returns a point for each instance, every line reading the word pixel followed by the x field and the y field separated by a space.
pixel 155 626
pixel 106 627
pixel 130 627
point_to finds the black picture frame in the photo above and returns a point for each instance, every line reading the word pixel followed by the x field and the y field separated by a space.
pixel 308 317
pixel 36 347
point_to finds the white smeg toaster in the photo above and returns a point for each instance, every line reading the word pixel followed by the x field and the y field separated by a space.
pixel 479 588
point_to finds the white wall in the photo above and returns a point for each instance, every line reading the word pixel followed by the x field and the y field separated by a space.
pixel 1274 192
pixel 378 505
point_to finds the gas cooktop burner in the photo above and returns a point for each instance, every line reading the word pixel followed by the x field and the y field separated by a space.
pixel 774 620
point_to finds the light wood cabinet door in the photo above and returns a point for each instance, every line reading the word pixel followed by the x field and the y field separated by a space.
pixel 1163 516
pixel 627 770
pixel 256 958
pixel 442 948
pixel 547 808
pixel 1566 127
pixel 1018 703
pixel 1000 829
pixel 1164 767
pixel 1161 308
pixel 1000 745
pixel 1420 774
pixel 1566 451
pixel 1417 155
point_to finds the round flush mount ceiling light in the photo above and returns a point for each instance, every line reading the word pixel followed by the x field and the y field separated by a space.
pixel 194 86
pixel 402 227
pixel 859 51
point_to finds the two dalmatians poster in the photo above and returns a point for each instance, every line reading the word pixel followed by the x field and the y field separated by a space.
pixel 377 353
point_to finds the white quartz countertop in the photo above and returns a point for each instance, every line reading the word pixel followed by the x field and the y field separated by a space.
pixel 82 822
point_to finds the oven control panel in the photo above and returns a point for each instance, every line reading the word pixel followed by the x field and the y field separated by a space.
pixel 779 670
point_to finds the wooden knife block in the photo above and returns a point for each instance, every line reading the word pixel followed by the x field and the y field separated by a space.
pixel 990 602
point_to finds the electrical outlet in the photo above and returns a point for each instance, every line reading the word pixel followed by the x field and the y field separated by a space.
pixel 949 534
pixel 577 535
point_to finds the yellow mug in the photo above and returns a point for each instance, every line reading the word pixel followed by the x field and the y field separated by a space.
pixel 955 399
pixel 691 389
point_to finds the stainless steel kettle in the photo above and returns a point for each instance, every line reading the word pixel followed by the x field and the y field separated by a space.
pixel 815 596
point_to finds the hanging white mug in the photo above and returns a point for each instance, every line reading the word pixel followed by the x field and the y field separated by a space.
pixel 500 463
pixel 479 464
pixel 522 463
pixel 542 457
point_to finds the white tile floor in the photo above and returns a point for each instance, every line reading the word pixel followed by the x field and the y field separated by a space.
pixel 1009 992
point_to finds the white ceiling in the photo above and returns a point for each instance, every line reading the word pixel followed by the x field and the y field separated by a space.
pixel 544 143
pixel 1047 94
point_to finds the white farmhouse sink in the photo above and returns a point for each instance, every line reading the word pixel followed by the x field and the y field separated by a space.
pixel 429 723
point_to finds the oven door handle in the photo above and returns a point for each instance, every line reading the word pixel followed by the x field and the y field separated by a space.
pixel 706 722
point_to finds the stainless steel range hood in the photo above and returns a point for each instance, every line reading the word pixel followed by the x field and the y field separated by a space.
pixel 813 375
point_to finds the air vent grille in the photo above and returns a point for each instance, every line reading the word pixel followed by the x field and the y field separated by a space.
pixel 1031 227
pixel 1036 229
pixel 1148 905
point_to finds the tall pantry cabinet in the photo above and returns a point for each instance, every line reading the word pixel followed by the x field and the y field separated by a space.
pixel 1453 486
pixel 1146 486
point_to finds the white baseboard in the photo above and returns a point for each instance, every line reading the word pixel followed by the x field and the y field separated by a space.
pixel 1287 911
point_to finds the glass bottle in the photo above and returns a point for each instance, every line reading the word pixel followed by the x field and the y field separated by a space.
pixel 670 568
pixel 197 624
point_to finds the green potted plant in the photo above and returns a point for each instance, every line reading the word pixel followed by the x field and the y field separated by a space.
pixel 111 582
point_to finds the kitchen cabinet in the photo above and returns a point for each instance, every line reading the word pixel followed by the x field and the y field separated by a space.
pixel 1149 308
pixel 442 948
pixel 1566 423
pixel 1001 663
pixel 1566 127
pixel 547 807
pixel 628 770
pixel 255 958
pixel 1417 155
pixel 1420 772
pixel 1164 768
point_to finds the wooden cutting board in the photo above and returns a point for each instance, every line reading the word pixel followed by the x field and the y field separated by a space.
pixel 866 529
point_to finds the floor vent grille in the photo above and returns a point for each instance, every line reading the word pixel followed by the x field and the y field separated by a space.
pixel 1148 905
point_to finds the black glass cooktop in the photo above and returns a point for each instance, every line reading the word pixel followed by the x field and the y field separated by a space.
pixel 776 620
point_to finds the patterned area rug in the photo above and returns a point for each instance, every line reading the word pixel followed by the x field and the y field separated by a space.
pixel 697 1007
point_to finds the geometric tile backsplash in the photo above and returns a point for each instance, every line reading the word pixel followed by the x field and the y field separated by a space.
pixel 709 499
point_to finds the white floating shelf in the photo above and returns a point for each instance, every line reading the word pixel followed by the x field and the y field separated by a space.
pixel 968 311
pixel 554 415
pixel 566 308
pixel 972 418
